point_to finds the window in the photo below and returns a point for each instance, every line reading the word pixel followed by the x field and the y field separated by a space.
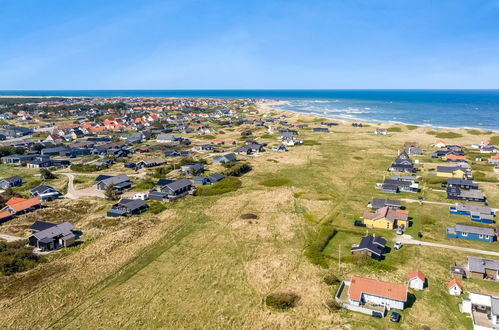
pixel 487 236
pixel 480 236
pixel 464 234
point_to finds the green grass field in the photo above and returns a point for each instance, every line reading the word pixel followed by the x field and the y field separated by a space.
pixel 198 264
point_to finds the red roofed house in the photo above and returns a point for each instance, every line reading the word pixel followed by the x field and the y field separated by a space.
pixel 440 144
pixel 17 205
pixel 371 296
pixel 417 280
pixel 455 288
pixel 454 158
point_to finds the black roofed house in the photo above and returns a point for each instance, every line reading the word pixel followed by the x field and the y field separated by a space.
pixel 40 162
pixel 192 168
pixel 119 182
pixel 250 149
pixel 200 180
pixel 320 129
pixel 371 246
pixel 215 177
pixel 461 184
pixel 230 157
pixel 396 186
pixel 177 188
pixel 481 268
pixel 13 181
pixel 18 159
pixel 378 203
pixel 151 162
pixel 48 238
pixel 206 147
pixel 40 225
pixel 471 195
pixel 45 193
pixel 52 151
pixel 126 207
pixel 164 182
pixel 246 133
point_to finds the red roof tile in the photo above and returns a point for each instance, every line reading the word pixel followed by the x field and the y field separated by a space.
pixel 360 285
pixel 417 273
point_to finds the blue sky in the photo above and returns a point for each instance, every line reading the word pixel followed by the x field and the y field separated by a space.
pixel 184 44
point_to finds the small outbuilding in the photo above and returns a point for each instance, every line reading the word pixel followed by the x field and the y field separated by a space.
pixel 455 289
pixel 417 280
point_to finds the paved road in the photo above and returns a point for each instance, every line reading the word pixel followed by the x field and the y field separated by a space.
pixel 407 239
pixel 10 238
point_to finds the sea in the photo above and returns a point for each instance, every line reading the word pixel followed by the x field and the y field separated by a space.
pixel 436 108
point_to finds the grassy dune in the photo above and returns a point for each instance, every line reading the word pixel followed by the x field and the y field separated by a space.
pixel 199 265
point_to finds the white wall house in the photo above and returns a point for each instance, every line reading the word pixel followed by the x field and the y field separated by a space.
pixel 455 288
pixel 417 280
pixel 484 310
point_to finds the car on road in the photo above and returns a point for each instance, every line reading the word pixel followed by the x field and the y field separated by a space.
pixel 395 317
pixel 397 246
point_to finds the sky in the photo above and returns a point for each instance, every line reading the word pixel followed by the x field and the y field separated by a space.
pixel 257 44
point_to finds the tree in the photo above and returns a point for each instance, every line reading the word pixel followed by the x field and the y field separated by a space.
pixel 46 174
pixel 110 193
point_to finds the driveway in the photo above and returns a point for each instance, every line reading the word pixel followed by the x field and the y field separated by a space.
pixel 407 239
pixel 75 194
pixel 435 203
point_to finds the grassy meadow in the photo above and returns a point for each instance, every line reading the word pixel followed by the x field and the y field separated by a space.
pixel 199 264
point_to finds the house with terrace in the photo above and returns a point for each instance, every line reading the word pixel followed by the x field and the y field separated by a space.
pixel 482 269
pixel 192 169
pixel 13 181
pixel 126 207
pixel 370 296
pixel 478 213
pixel 119 182
pixel 151 162
pixel 226 158
pixel 173 190
pixel 378 203
pixel 17 205
pixel 45 193
pixel 457 172
pixel 386 218
pixel 371 246
pixel 481 234
pixel 47 236
pixel 483 309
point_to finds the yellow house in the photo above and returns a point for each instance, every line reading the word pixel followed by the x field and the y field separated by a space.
pixel 451 172
pixel 386 218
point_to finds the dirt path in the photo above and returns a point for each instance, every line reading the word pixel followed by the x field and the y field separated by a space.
pixel 10 238
pixel 407 239
pixel 435 203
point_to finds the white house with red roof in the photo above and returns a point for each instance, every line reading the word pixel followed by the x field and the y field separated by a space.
pixel 371 296
pixel 440 144
pixel 455 289
pixel 417 280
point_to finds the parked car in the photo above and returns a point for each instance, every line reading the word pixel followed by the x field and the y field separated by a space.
pixel 395 317
pixel 358 223
pixel 397 246
pixel 420 234
pixel 400 231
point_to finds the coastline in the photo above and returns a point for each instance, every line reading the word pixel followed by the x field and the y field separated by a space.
pixel 268 105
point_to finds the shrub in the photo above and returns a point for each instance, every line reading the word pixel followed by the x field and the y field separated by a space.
pixel 475 132
pixel 46 174
pixel 331 279
pixel 161 172
pixel 15 257
pixel 281 301
pixel 275 182
pixel 237 169
pixel 85 168
pixel 190 160
pixel 33 184
pixel 156 207
pixel 249 216
pixel 433 179
pixel 317 244
pixel 267 136
pixel 411 127
pixel 494 140
pixel 221 187
pixel 394 129
pixel 145 184
pixel 445 135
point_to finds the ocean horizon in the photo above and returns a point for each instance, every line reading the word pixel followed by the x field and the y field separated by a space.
pixel 463 108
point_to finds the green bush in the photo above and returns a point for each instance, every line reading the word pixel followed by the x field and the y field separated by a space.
pixel 145 184
pixel 394 129
pixel 445 135
pixel 475 132
pixel 156 207
pixel 494 140
pixel 267 136
pixel 315 245
pixel 281 301
pixel 236 169
pixel 15 257
pixel 275 182
pixel 161 172
pixel 433 179
pixel 331 279
pixel 85 168
pixel 221 187
pixel 411 127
